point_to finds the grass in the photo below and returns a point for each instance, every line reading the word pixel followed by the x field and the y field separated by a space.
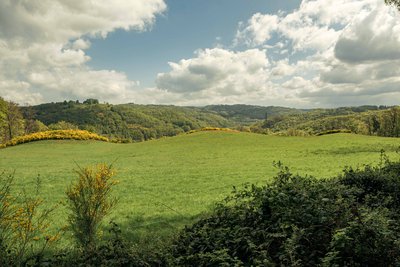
pixel 167 183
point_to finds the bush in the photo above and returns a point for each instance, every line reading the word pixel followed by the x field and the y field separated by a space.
pixel 89 201
pixel 350 220
pixel 55 135
pixel 24 224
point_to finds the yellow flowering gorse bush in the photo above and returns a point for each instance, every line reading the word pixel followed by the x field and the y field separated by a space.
pixel 55 135
pixel 89 201
pixel 24 224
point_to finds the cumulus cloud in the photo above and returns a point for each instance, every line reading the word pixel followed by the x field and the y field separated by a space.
pixel 374 37
pixel 218 75
pixel 62 20
pixel 217 69
pixel 338 50
pixel 43 43
pixel 314 25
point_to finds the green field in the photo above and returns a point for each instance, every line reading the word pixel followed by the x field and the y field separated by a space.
pixel 168 182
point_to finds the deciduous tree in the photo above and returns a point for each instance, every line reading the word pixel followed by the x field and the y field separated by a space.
pixel 11 120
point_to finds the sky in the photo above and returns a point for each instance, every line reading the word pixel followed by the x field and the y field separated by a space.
pixel 295 53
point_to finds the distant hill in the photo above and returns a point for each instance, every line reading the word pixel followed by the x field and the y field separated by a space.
pixel 127 121
pixel 133 122
pixel 367 120
pixel 249 114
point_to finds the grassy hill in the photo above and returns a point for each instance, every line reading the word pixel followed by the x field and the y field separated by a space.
pixel 168 182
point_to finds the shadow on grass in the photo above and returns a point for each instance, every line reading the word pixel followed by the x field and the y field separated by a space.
pixel 153 231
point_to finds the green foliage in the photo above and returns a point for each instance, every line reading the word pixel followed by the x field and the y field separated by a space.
pixel 3 107
pixel 62 125
pixel 91 101
pixel 89 201
pixel 350 220
pixel 35 126
pixel 6 213
pixel 366 120
pixel 248 114
pixel 13 123
pixel 129 121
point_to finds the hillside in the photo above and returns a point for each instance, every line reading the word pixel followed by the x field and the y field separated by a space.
pixel 133 122
pixel 367 120
pixel 249 114
pixel 127 121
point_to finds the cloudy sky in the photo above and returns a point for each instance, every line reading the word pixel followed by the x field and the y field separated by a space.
pixel 309 53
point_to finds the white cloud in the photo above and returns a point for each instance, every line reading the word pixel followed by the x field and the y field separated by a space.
pixel 62 20
pixel 258 29
pixel 43 43
pixel 374 37
pixel 312 26
pixel 218 70
pixel 218 76
pixel 19 92
pixel 343 51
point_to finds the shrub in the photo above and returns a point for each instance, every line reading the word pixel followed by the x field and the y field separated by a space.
pixel 63 125
pixel 6 213
pixel 55 135
pixel 350 220
pixel 24 224
pixel 89 201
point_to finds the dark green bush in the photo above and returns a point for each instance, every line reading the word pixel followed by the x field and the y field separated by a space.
pixel 349 220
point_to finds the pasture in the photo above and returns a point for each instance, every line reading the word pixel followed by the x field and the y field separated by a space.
pixel 167 183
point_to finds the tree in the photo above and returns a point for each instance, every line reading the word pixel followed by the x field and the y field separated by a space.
pixel 13 123
pixel 390 122
pixel 393 2
pixel 3 105
pixel 63 125
pixel 91 101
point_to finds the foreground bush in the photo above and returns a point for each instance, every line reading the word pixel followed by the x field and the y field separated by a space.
pixel 24 225
pixel 55 135
pixel 351 220
pixel 89 201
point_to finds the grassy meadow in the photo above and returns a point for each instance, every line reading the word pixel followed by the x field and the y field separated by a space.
pixel 166 183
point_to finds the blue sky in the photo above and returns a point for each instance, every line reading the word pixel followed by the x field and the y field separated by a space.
pixel 185 27
pixel 297 53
